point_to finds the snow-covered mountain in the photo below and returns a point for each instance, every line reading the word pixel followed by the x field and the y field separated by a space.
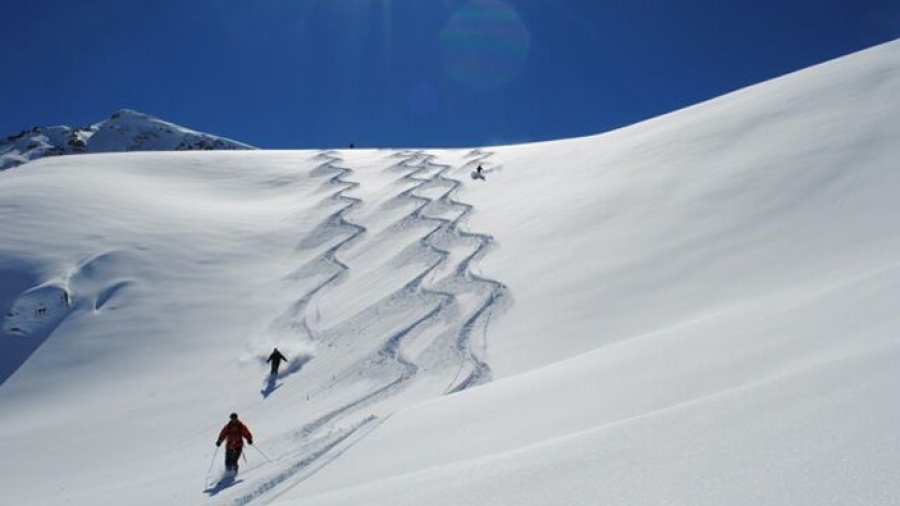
pixel 698 309
pixel 125 130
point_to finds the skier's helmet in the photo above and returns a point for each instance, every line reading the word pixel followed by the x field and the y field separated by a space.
pixel 233 416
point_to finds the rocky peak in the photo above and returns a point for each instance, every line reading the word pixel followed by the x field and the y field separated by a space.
pixel 125 130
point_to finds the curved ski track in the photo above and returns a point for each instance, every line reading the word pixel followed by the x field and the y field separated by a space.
pixel 420 164
pixel 323 439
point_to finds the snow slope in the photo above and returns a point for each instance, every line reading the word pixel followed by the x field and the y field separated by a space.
pixel 698 309
pixel 125 130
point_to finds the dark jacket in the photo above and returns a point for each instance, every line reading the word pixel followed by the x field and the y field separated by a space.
pixel 276 357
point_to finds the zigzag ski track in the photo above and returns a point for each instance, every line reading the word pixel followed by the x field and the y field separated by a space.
pixel 425 332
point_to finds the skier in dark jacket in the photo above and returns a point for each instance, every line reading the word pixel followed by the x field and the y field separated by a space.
pixel 275 358
pixel 234 432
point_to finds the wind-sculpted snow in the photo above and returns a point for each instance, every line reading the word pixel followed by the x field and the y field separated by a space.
pixel 38 310
pixel 428 331
pixel 29 321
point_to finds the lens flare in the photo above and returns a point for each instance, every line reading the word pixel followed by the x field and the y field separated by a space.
pixel 485 45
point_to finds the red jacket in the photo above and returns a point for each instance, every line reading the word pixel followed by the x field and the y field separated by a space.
pixel 235 432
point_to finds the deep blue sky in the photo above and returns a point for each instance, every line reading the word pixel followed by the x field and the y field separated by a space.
pixel 390 73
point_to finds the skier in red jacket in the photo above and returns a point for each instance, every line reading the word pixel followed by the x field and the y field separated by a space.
pixel 235 432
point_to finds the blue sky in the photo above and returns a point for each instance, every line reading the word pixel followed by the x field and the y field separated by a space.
pixel 395 73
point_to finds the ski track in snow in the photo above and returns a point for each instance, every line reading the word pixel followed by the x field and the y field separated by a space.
pixel 451 323
pixel 334 223
pixel 480 371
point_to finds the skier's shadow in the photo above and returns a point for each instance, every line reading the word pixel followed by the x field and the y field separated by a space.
pixel 225 483
pixel 270 387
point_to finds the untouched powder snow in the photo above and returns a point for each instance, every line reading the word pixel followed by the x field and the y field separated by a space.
pixel 698 309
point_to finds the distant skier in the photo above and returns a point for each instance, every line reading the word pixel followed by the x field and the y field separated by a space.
pixel 235 432
pixel 479 173
pixel 275 359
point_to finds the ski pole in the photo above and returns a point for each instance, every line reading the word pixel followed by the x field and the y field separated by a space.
pixel 261 453
pixel 211 463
